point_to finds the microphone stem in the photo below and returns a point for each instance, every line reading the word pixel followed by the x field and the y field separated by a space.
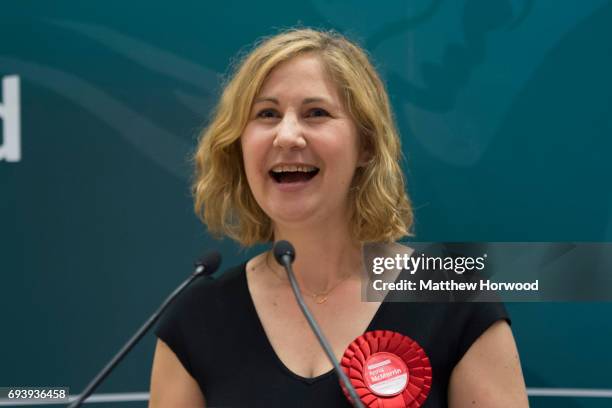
pixel 322 340
pixel 130 344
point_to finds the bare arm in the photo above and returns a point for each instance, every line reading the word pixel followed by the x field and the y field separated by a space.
pixel 171 384
pixel 489 374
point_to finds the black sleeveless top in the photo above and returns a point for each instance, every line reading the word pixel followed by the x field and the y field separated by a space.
pixel 214 330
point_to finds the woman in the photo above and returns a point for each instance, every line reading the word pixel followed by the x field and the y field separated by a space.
pixel 303 147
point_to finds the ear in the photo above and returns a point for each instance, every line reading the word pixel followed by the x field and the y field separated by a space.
pixel 365 155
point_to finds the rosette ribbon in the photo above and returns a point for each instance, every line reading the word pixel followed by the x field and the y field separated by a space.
pixel 388 370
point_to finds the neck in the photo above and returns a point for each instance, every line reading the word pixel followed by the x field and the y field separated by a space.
pixel 324 256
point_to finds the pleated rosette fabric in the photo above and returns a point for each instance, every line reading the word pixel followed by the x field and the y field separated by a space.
pixel 388 370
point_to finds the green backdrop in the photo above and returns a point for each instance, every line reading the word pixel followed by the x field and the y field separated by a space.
pixel 505 111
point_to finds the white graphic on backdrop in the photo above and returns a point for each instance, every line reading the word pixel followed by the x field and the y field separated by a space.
pixel 161 146
pixel 10 115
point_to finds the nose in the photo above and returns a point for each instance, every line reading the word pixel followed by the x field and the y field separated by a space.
pixel 289 134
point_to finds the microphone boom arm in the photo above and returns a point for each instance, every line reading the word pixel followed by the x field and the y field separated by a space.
pixel 286 261
pixel 205 266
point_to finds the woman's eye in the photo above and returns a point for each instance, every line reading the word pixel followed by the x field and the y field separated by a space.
pixel 317 112
pixel 267 114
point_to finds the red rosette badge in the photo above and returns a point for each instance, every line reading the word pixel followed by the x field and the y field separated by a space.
pixel 388 370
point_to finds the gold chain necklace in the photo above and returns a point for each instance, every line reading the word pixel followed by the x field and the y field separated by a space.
pixel 319 298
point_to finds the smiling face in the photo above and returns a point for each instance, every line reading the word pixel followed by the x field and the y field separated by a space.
pixel 300 146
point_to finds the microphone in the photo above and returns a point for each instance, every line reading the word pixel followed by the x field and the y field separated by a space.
pixel 206 266
pixel 284 253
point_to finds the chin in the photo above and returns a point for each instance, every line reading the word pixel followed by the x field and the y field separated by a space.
pixel 292 218
pixel 291 215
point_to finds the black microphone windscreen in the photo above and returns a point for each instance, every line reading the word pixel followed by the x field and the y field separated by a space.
pixel 282 248
pixel 210 262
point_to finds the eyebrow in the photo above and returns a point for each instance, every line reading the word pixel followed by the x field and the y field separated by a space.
pixel 305 101
pixel 265 99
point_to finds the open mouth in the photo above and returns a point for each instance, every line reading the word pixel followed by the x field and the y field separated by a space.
pixel 293 174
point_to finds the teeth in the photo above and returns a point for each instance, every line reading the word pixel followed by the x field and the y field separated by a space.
pixel 292 168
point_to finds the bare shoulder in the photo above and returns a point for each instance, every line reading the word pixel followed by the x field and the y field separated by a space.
pixel 171 384
pixel 489 374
